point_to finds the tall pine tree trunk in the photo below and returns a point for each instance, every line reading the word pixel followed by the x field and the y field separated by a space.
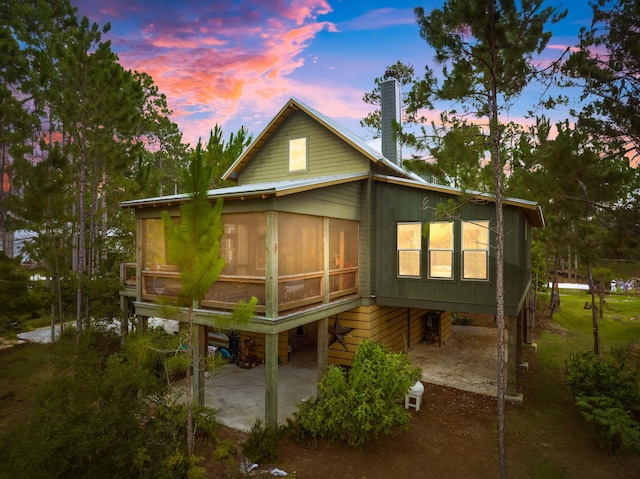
pixel 190 431
pixel 81 236
pixel 496 138
pixel 594 312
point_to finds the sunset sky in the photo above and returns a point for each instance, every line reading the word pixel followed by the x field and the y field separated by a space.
pixel 236 62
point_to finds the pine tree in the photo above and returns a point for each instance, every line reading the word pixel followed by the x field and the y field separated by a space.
pixel 486 50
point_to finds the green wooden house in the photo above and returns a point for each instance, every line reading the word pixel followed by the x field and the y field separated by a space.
pixel 329 233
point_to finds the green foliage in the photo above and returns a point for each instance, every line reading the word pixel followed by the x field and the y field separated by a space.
pixel 608 392
pixel 263 443
pixel 193 243
pixel 225 449
pixel 220 155
pixel 615 426
pixel 99 415
pixel 358 406
pixel 18 300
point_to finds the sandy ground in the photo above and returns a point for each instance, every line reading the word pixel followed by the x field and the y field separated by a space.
pixel 468 361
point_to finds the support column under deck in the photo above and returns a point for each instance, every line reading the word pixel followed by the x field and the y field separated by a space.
pixel 199 342
pixel 323 348
pixel 271 380
pixel 512 362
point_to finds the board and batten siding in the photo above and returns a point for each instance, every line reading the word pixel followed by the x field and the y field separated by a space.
pixel 395 204
pixel 395 327
pixel 338 201
pixel 327 154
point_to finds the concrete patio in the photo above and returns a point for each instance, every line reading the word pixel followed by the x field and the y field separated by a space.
pixel 467 362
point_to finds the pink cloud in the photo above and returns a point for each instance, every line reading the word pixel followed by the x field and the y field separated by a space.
pixel 219 59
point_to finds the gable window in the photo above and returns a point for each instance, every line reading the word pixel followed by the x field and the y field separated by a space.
pixel 441 250
pixel 298 154
pixel 475 250
pixel 409 249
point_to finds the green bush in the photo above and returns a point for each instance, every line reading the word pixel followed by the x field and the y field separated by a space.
pixel 608 392
pixel 98 415
pixel 19 302
pixel 225 449
pixel 262 443
pixel 357 406
pixel 616 428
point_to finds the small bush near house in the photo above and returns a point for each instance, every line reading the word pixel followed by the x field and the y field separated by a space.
pixel 608 392
pixel 263 443
pixel 362 404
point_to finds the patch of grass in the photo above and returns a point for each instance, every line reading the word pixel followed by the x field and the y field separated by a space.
pixel 616 328
pixel 23 369
pixel 549 436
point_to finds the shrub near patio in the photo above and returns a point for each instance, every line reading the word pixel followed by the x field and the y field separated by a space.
pixel 363 403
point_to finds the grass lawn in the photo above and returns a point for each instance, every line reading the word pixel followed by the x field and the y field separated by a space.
pixel 552 439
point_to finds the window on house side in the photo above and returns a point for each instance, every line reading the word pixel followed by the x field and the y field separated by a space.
pixel 409 249
pixel 298 154
pixel 441 250
pixel 475 250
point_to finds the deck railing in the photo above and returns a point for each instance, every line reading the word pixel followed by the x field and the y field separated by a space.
pixel 294 291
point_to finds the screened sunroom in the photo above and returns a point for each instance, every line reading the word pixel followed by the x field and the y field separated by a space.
pixel 284 259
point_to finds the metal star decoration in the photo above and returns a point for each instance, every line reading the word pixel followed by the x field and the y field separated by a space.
pixel 338 332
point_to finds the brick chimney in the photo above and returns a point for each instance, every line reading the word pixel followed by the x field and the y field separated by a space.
pixel 391 109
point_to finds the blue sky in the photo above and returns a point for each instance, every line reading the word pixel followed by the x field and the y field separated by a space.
pixel 236 63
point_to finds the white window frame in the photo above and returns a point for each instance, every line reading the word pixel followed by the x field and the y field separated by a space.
pixel 440 249
pixel 479 246
pixel 406 251
pixel 297 154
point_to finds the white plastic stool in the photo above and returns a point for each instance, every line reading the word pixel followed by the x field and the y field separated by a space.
pixel 415 393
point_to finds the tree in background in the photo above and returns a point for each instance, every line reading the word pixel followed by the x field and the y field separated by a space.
pixel 105 122
pixel 605 65
pixel 220 155
pixel 486 49
pixel 580 188
pixel 43 209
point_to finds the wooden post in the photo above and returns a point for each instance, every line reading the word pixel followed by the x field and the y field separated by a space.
pixel 511 356
pixel 271 381
pixel 199 342
pixel 323 348
pixel 271 271
pixel 519 335
pixel 529 317
pixel 124 321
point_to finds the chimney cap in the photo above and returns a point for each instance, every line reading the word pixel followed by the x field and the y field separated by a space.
pixel 390 73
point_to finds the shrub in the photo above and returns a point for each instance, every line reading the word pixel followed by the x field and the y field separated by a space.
pixel 263 443
pixel 616 428
pixel 225 449
pixel 98 415
pixel 608 393
pixel 358 406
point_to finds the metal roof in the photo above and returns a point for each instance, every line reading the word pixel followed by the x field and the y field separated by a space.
pixel 254 190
